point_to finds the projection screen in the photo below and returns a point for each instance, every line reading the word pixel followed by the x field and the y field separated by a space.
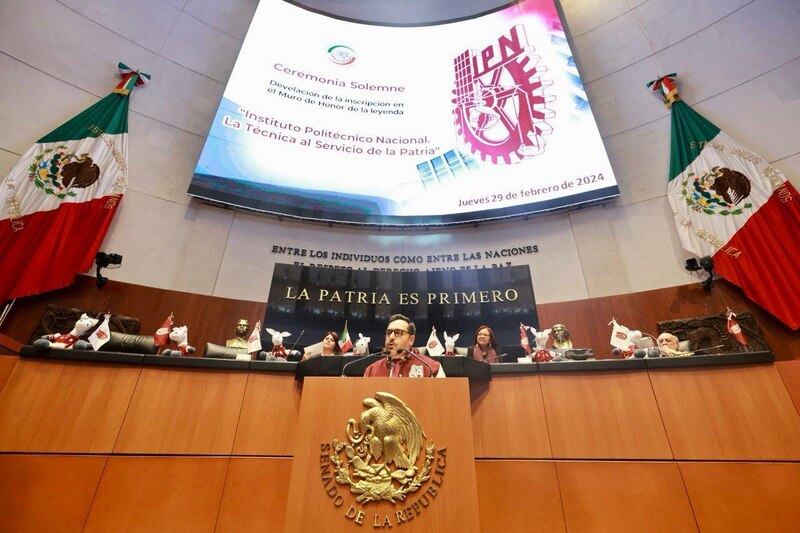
pixel 453 122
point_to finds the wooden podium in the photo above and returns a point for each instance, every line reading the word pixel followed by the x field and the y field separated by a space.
pixel 438 495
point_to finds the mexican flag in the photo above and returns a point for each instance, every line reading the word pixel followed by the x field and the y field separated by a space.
pixel 731 204
pixel 58 201
pixel 345 342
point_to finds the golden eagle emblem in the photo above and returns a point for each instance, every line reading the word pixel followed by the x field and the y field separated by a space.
pixel 382 449
pixel 718 191
pixel 56 172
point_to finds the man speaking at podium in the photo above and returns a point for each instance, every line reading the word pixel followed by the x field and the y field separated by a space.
pixel 401 360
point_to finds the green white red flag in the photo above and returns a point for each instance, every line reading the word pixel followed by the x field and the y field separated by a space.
pixel 733 205
pixel 345 342
pixel 58 201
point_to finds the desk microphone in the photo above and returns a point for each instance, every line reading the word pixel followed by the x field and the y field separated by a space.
pixel 354 361
pixel 297 340
pixel 495 359
pixel 709 348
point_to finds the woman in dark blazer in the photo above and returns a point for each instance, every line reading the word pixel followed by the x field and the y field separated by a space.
pixel 486 346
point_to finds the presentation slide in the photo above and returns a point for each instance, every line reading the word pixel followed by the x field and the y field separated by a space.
pixel 464 121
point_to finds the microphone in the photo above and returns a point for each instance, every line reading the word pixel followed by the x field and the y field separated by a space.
pixel 495 358
pixel 297 340
pixel 640 353
pixel 709 348
pixel 420 359
pixel 354 361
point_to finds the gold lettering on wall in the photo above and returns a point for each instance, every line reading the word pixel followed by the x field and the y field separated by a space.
pixel 402 298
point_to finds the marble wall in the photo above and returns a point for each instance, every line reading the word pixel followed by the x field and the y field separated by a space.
pixel 739 65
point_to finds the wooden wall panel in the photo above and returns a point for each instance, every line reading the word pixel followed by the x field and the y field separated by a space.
pixel 158 494
pixel 189 411
pixel 587 320
pixel 741 412
pixel 784 342
pixel 603 415
pixel 50 406
pixel 212 318
pixel 624 496
pixel 255 495
pixel 47 493
pixel 508 419
pixel 744 496
pixel 9 346
pixel 269 415
pixel 790 374
pixel 7 363
pixel 519 496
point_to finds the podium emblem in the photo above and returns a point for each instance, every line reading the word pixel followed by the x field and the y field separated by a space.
pixel 381 452
pixel 385 461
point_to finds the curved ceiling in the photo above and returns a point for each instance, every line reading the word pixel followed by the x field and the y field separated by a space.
pixel 403 13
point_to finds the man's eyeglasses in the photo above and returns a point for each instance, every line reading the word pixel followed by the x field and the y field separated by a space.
pixel 396 332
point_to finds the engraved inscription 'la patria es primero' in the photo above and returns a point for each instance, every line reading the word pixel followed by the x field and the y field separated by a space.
pixel 385 458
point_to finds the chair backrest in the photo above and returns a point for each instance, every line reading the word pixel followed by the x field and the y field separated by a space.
pixel 128 343
pixel 222 352
pixel 462 351
pixel 684 346
pixel 512 351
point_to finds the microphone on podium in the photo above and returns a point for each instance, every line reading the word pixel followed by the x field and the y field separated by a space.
pixel 354 361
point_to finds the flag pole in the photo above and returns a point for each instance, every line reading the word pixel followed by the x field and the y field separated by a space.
pixel 6 341
pixel 6 310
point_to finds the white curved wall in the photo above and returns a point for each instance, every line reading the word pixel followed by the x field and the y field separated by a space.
pixel 738 62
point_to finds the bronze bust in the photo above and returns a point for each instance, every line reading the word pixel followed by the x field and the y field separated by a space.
pixel 561 337
pixel 241 335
